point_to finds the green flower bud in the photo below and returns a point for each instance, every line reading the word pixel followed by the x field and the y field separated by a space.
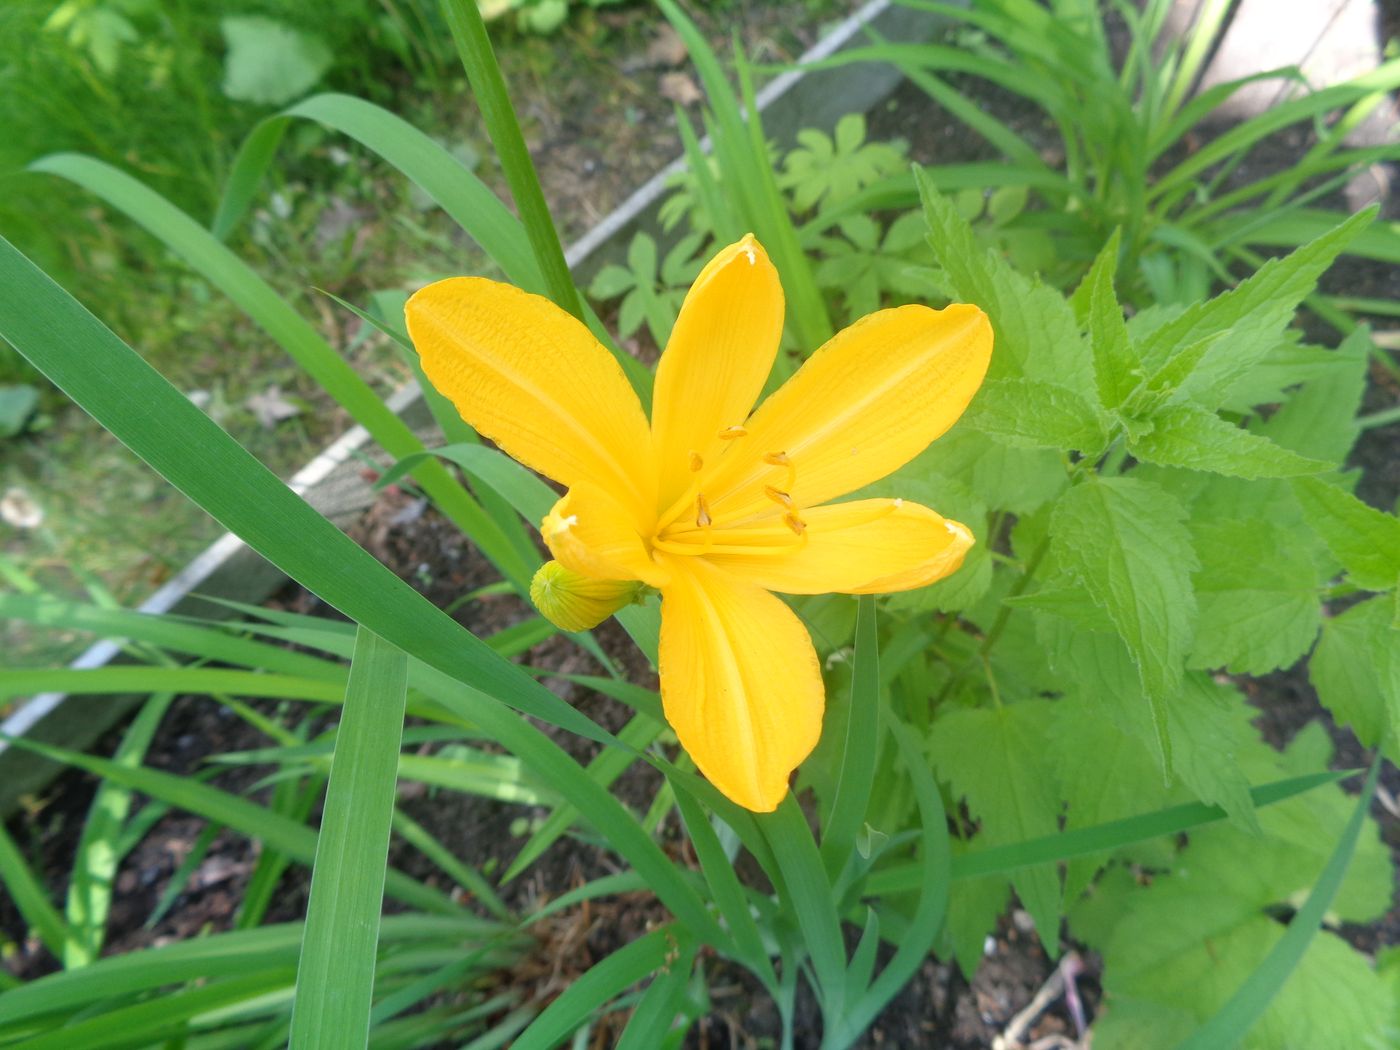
pixel 574 602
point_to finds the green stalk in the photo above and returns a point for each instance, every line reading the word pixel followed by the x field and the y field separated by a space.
pixel 489 86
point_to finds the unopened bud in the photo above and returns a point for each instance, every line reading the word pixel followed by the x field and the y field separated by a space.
pixel 575 602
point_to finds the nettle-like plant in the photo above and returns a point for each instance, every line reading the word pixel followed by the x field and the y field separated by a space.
pixel 1148 510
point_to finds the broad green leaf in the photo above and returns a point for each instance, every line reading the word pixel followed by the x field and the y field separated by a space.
pixel 1186 435
pixel 997 760
pixel 1031 413
pixel 1123 539
pixel 269 63
pixel 1365 540
pixel 335 977
pixel 1257 591
pixel 1190 939
pixel 1239 327
pixel 1037 334
pixel 1356 669
pixel 1320 419
pixel 1096 669
pixel 1104 774
pixel 1003 478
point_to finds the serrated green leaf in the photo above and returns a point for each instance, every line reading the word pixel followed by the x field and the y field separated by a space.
pixel 997 760
pixel 1031 413
pixel 1186 435
pixel 1123 539
pixel 1254 314
pixel 1257 592
pixel 1320 419
pixel 1186 941
pixel 1356 669
pixel 1037 334
pixel 1117 368
pixel 1365 540
pixel 1003 478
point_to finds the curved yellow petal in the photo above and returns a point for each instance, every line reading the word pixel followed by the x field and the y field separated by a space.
pixel 717 360
pixel 591 533
pixel 740 682
pixel 533 379
pixel 871 546
pixel 861 407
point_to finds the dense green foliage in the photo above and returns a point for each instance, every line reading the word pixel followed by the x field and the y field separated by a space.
pixel 1156 472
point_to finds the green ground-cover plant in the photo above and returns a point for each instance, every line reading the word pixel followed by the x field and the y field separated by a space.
pixel 1157 501
pixel 1126 124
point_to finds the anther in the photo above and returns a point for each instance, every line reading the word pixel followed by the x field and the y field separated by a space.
pixel 702 512
pixel 695 461
pixel 778 496
pixel 730 433
pixel 777 459
pixel 795 523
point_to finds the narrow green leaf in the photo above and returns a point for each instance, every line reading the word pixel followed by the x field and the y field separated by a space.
pixel 29 896
pixel 156 421
pixel 489 87
pixel 276 831
pixel 335 977
pixel 95 866
pixel 1101 838
pixel 589 994
pixel 861 748
pixel 236 279
pixel 653 1019
pixel 809 899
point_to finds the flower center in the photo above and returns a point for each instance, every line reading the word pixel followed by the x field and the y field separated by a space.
pixel 690 527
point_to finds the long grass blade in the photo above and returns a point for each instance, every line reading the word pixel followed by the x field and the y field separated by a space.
pixel 335 977
pixel 599 986
pixel 861 747
pixel 30 898
pixel 236 279
pixel 99 846
pixel 1101 838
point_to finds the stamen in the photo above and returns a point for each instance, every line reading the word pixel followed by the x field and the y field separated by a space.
pixel 730 433
pixel 696 463
pixel 795 523
pixel 702 512
pixel 778 496
pixel 781 459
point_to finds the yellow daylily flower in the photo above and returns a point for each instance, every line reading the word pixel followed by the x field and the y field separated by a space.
pixel 712 503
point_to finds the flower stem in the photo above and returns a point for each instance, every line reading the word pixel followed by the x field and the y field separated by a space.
pixel 489 86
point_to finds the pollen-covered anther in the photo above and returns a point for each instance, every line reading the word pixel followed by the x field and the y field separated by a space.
pixel 730 433
pixel 795 523
pixel 778 496
pixel 702 512
pixel 696 463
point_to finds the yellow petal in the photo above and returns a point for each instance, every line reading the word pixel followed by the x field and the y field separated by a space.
pixel 533 379
pixel 574 602
pixel 718 357
pixel 593 534
pixel 870 546
pixel 740 682
pixel 861 407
